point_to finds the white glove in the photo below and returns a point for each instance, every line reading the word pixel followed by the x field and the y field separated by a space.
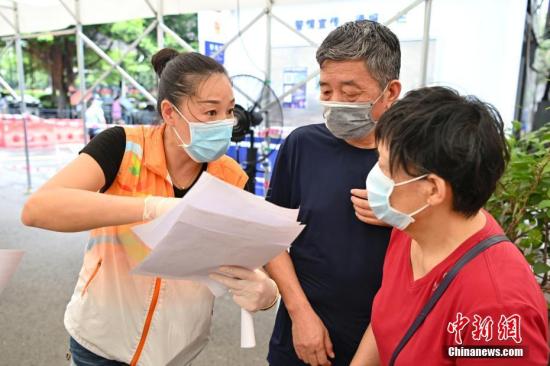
pixel 154 206
pixel 252 290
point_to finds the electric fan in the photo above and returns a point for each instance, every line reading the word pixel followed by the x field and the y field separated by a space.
pixel 260 118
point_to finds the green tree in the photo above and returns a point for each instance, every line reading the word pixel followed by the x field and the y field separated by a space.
pixel 51 61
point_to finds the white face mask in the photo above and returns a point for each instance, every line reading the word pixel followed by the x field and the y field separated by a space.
pixel 209 140
pixel 350 120
pixel 380 188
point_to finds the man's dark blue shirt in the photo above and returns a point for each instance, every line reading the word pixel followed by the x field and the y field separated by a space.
pixel 338 259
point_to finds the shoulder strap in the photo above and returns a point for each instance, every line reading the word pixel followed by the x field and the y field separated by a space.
pixel 467 257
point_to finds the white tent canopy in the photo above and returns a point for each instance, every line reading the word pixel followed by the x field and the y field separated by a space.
pixel 30 18
pixel 51 15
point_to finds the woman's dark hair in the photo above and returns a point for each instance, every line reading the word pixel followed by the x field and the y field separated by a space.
pixel 180 74
pixel 459 138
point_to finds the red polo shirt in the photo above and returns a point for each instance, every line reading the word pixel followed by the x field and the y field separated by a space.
pixel 494 302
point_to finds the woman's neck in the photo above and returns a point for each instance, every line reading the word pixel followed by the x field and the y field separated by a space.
pixel 182 169
pixel 436 240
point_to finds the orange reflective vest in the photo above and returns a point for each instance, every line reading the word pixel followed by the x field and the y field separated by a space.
pixel 140 320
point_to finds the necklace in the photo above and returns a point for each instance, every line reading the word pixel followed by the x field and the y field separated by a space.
pixel 181 188
pixel 190 181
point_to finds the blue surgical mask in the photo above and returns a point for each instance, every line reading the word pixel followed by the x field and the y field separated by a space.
pixel 209 140
pixel 380 188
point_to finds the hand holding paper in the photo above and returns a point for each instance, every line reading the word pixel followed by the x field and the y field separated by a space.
pixel 154 206
pixel 251 290
pixel 215 225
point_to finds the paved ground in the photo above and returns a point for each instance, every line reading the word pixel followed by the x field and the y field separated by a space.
pixel 33 303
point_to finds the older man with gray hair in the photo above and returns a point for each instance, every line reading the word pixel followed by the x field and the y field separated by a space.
pixel 333 270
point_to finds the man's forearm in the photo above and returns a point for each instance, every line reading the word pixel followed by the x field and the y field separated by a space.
pixel 281 269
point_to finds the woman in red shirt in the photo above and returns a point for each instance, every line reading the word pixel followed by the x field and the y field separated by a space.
pixel 441 156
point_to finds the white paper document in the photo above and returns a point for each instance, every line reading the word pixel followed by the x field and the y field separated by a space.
pixel 9 260
pixel 216 224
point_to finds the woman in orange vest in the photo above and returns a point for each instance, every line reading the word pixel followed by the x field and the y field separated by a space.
pixel 127 175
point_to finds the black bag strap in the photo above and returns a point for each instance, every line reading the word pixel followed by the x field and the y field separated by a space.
pixel 468 256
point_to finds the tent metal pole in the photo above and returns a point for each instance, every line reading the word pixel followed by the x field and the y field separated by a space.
pixel 160 22
pixel 162 28
pixel 425 42
pixel 268 42
pixel 122 72
pixel 81 68
pixel 76 16
pixel 54 34
pixel 239 33
pixel 6 48
pixel 405 10
pixel 153 10
pixel 7 20
pixel 315 73
pixel 177 38
pixel 128 50
pixel 7 86
pixel 21 78
pixel 41 34
pixel 250 99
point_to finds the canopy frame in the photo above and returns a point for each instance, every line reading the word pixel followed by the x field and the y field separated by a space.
pixel 162 30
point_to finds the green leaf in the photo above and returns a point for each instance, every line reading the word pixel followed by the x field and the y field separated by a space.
pixel 535 235
pixel 541 268
pixel 530 258
pixel 525 243
pixel 544 204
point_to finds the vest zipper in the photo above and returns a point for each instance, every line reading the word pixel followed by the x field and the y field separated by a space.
pixel 94 273
pixel 148 321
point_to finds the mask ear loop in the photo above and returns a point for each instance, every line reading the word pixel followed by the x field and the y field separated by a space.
pixel 410 180
pixel 182 143
pixel 179 112
pixel 377 99
pixel 421 208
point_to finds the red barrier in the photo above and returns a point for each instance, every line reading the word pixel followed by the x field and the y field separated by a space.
pixel 40 132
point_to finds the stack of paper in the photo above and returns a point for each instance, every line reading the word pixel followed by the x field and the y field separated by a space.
pixel 216 224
